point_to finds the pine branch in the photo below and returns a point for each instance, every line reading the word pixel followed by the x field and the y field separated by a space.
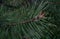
pixel 40 16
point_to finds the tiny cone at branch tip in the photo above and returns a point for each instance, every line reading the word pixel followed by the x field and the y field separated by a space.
pixel 42 14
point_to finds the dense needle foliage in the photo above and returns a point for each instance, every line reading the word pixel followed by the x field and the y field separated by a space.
pixel 29 19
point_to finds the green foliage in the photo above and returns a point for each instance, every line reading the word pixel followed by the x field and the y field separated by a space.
pixel 45 28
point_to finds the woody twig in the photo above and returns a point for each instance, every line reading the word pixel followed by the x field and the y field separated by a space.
pixel 54 2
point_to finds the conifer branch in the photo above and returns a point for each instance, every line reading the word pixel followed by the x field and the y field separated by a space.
pixel 41 15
